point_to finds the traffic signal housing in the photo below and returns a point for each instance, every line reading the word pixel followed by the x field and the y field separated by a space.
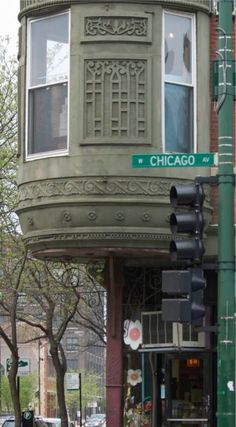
pixel 186 288
pixel 188 199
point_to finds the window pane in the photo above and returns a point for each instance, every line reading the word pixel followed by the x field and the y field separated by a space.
pixel 49 50
pixel 72 344
pixel 178 48
pixel 178 118
pixel 48 118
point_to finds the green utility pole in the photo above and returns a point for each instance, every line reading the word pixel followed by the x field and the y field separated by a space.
pixel 226 285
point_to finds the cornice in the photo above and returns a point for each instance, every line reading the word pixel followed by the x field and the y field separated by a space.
pixel 41 6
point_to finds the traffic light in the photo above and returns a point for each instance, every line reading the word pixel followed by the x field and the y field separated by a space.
pixel 190 220
pixel 186 288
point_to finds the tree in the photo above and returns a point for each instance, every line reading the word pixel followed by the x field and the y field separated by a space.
pixel 6 400
pixel 90 387
pixel 12 270
pixel 27 392
pixel 90 392
pixel 28 385
pixel 52 294
pixel 11 261
pixel 8 137
pixel 52 289
pixel 91 314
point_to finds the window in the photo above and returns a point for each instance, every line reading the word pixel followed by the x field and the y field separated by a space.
pixel 47 91
pixel 179 76
pixel 72 344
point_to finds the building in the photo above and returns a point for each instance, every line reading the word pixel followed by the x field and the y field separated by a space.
pixel 99 82
pixel 82 355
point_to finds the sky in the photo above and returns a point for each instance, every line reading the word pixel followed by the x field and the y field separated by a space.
pixel 9 24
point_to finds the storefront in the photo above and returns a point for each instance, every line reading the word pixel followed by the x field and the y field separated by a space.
pixel 169 383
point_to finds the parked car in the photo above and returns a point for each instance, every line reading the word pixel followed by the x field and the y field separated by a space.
pixel 96 420
pixel 52 422
pixel 10 422
pixel 4 418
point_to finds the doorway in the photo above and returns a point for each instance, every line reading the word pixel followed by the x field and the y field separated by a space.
pixel 188 390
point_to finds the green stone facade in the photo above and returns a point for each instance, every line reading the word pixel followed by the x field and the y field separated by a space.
pixel 91 201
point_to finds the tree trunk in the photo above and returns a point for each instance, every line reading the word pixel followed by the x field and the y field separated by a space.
pixel 15 392
pixel 60 375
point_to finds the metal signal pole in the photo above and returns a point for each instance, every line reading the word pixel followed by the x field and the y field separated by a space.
pixel 80 400
pixel 226 273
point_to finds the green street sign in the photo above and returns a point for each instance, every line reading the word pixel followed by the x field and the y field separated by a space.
pixel 180 160
pixel 23 363
pixel 23 366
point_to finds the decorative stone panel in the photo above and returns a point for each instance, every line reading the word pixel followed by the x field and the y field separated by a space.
pixel 94 186
pixel 116 99
pixel 60 217
pixel 109 28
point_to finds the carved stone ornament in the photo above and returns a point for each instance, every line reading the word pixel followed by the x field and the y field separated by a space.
pixel 92 216
pixel 30 221
pixel 96 236
pixel 116 99
pixel 67 216
pixel 146 217
pixel 120 216
pixel 95 186
pixel 115 26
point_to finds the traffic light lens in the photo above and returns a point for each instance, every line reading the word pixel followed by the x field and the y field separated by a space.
pixel 186 222
pixel 186 249
pixel 181 195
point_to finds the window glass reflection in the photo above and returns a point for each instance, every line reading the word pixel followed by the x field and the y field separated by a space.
pixel 49 50
pixel 48 88
pixel 178 118
pixel 48 119
pixel 178 48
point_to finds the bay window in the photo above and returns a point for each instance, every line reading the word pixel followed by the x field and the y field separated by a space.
pixel 47 85
pixel 179 82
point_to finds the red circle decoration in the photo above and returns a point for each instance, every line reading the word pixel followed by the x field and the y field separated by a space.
pixel 134 334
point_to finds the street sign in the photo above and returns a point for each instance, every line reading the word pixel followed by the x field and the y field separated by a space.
pixel 27 415
pixel 27 418
pixel 92 404
pixel 23 366
pixel 72 381
pixel 180 160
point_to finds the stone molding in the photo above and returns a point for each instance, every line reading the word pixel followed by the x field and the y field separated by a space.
pixel 95 186
pixel 30 6
pixel 96 236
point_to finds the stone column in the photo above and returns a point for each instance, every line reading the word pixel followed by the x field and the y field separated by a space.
pixel 114 368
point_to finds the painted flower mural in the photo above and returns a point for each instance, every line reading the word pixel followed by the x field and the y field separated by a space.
pixel 133 333
pixel 134 376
